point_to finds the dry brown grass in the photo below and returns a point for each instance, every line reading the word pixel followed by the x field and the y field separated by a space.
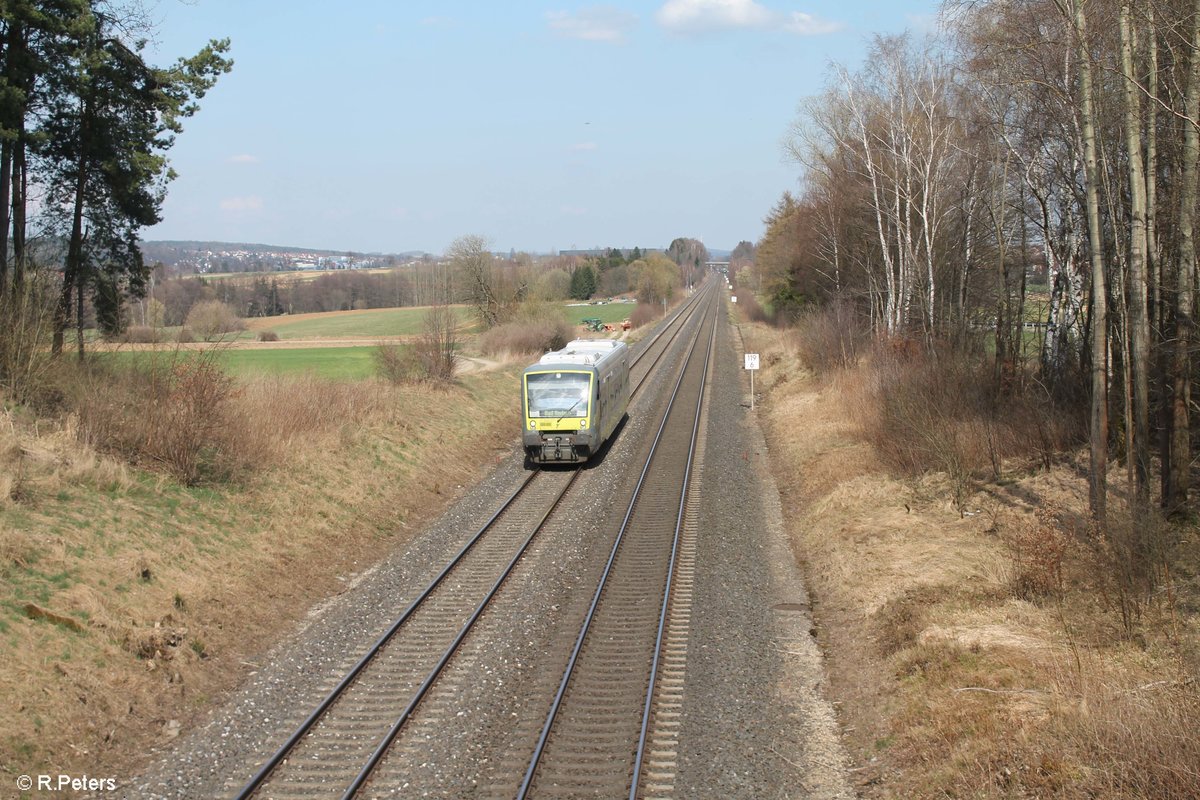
pixel 981 654
pixel 166 583
pixel 520 339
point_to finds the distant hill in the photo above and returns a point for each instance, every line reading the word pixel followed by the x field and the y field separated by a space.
pixel 171 252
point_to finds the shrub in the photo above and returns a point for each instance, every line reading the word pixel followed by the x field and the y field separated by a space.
pixel 928 411
pixel 436 349
pixel 1038 547
pixel 642 314
pixel 749 306
pixel 185 336
pixel 26 325
pixel 142 334
pixel 268 336
pixel 535 328
pixel 831 337
pixel 525 337
pixel 211 319
pixel 396 363
pixel 168 413
pixel 432 357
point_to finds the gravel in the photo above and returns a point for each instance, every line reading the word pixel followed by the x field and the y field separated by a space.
pixel 755 723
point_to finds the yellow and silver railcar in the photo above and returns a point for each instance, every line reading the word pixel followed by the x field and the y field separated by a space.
pixel 573 400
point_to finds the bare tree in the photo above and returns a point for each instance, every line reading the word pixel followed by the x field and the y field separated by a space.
pixel 1177 472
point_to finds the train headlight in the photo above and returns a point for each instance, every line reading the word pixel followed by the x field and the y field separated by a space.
pixel 583 423
pixel 532 425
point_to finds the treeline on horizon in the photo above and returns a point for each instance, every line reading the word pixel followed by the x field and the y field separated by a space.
pixel 1057 133
pixel 554 278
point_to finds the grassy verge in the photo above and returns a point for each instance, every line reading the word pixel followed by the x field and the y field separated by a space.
pixel 976 643
pixel 130 603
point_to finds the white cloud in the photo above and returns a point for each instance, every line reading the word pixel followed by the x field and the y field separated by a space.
pixel 699 16
pixel 243 158
pixel 574 211
pixel 583 146
pixel 808 25
pixel 242 204
pixel 593 24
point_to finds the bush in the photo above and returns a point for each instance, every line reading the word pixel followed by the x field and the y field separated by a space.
pixel 436 348
pixel 397 363
pixel 432 357
pixel 521 338
pixel 1038 547
pixel 211 319
pixel 535 328
pixel 26 325
pixel 142 334
pixel 830 338
pixel 185 336
pixel 927 411
pixel 643 313
pixel 268 336
pixel 749 306
pixel 169 413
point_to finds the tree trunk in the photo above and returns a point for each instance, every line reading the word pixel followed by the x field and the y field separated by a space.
pixel 1136 297
pixel 20 187
pixel 1175 495
pixel 73 269
pixel 1098 323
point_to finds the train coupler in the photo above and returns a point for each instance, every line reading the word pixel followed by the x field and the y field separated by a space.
pixel 557 451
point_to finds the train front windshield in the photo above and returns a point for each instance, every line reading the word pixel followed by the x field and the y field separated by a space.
pixel 558 394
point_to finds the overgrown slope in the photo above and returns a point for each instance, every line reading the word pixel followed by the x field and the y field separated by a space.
pixel 974 628
pixel 129 602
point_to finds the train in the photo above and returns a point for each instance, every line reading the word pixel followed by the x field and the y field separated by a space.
pixel 573 400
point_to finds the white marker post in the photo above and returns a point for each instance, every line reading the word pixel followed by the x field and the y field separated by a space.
pixel 752 365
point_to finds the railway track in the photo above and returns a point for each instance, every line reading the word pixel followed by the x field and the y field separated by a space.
pixel 344 739
pixel 594 740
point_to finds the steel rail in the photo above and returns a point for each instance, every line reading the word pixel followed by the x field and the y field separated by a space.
pixel 662 618
pixel 527 781
pixel 387 740
pixel 690 306
pixel 286 748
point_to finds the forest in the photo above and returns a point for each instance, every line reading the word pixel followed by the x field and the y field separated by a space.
pixel 1019 190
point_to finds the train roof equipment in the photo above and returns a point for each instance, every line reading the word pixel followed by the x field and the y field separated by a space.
pixel 584 352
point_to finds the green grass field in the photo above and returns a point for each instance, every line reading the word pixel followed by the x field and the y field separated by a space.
pixel 606 312
pixel 334 363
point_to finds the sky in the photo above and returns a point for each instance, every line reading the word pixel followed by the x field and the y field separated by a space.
pixel 542 126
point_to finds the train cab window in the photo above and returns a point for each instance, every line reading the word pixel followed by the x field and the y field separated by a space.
pixel 557 394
